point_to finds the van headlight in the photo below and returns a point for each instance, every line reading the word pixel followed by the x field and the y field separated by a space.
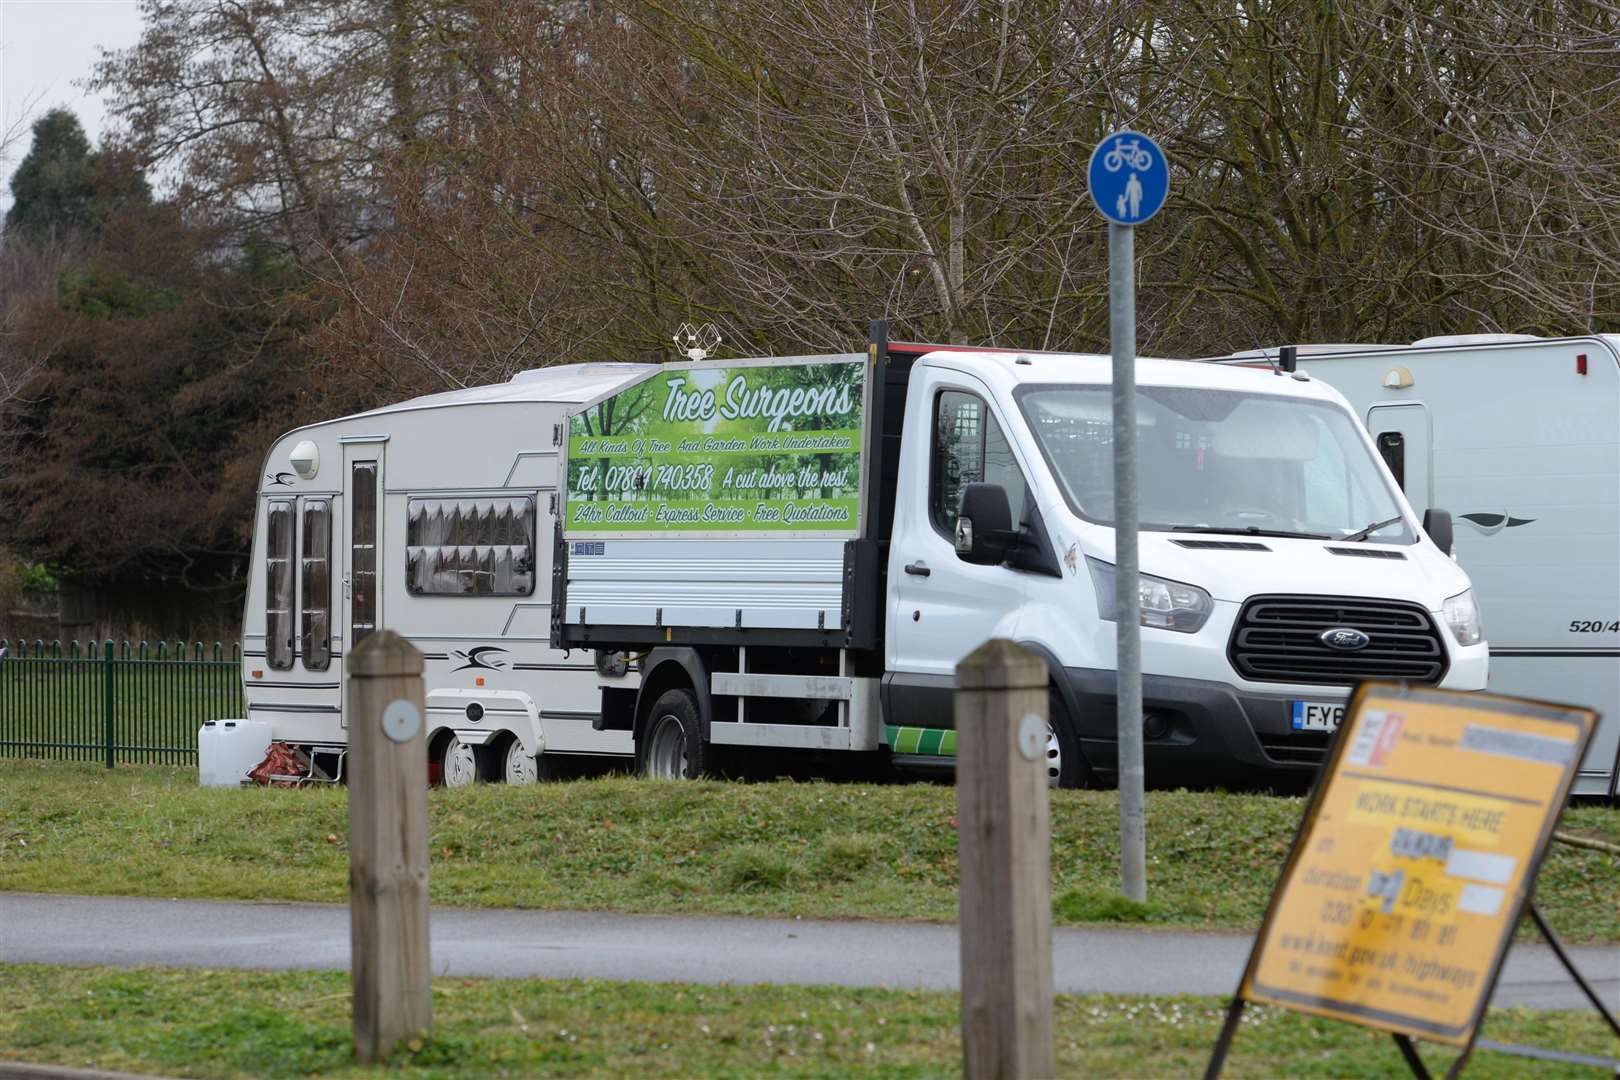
pixel 1462 615
pixel 1166 604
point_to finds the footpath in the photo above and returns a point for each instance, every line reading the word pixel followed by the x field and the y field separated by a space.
pixel 125 932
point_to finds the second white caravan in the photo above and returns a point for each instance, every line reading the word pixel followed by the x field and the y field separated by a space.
pixel 1519 437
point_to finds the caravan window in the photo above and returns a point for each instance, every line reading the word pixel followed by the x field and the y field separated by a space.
pixel 316 578
pixel 470 547
pixel 362 551
pixel 278 584
pixel 1392 447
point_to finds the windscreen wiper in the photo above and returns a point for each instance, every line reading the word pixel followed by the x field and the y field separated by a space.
pixel 1362 534
pixel 1249 530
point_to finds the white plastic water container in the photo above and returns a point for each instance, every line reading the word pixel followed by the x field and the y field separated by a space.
pixel 228 749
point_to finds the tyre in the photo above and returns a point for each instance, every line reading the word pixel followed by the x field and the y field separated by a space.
pixel 671 744
pixel 518 766
pixel 1065 767
pixel 459 765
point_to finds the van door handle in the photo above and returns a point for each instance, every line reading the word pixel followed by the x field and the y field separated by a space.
pixel 918 569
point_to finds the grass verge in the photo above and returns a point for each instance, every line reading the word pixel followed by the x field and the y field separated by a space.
pixel 619 844
pixel 287 1024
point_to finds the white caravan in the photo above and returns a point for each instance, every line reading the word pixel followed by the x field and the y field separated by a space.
pixel 1519 437
pixel 795 553
pixel 434 518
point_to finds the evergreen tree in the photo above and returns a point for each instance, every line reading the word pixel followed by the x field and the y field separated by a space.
pixel 63 187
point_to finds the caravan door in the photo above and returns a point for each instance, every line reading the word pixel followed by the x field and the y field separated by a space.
pixel 1402 435
pixel 362 540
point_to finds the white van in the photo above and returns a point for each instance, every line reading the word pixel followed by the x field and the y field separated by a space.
pixel 797 552
pixel 433 517
pixel 1520 438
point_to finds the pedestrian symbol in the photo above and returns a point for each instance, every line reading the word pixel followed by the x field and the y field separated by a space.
pixel 1129 177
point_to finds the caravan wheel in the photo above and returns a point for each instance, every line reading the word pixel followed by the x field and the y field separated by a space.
pixel 522 767
pixel 515 766
pixel 460 764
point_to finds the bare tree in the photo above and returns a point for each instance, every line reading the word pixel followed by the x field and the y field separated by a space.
pixel 1516 106
pixel 829 158
pixel 276 115
pixel 573 181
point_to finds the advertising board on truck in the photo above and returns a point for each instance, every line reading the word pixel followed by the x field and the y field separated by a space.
pixel 765 447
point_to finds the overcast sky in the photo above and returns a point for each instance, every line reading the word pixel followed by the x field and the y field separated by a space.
pixel 45 47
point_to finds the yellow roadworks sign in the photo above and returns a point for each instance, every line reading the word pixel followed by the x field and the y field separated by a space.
pixel 1415 858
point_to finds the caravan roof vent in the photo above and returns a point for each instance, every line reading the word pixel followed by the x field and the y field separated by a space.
pixel 1471 339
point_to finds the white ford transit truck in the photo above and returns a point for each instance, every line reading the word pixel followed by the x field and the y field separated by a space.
pixel 796 552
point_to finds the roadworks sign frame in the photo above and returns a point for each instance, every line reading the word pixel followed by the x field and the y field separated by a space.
pixel 1414 862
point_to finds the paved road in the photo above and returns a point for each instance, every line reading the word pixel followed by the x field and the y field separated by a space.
pixel 706 949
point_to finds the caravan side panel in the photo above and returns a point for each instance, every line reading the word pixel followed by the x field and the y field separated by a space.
pixel 1525 454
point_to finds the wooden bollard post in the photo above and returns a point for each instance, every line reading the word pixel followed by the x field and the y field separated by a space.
pixel 388 846
pixel 1004 837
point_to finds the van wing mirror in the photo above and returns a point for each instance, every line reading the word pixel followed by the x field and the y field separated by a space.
pixel 984 526
pixel 1437 523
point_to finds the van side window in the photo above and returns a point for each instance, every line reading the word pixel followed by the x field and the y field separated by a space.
pixel 470 547
pixel 278 584
pixel 316 584
pixel 1392 448
pixel 969 448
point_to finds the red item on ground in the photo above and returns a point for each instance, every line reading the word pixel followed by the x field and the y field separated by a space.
pixel 282 767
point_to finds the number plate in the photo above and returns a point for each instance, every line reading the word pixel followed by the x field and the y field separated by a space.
pixel 1317 715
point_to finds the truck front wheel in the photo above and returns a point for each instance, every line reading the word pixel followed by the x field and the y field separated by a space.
pixel 1065 768
pixel 671 745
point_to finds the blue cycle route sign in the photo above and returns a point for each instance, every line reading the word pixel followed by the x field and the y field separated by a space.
pixel 1129 177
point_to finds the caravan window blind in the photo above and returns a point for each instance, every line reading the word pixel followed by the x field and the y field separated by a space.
pixel 470 547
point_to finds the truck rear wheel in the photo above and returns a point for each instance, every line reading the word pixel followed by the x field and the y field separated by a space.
pixel 671 745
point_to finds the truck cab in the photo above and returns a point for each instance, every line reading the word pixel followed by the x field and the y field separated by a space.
pixel 1280 563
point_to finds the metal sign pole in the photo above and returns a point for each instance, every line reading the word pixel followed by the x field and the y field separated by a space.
pixel 1128 617
pixel 1129 178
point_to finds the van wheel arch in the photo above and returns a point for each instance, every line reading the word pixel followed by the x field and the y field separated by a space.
pixel 677 668
pixel 1066 721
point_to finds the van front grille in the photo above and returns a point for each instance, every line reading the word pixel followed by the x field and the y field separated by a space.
pixel 1279 639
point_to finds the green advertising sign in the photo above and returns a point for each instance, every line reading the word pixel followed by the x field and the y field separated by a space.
pixel 765 447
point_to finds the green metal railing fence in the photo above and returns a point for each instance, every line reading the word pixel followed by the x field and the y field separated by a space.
pixel 113 701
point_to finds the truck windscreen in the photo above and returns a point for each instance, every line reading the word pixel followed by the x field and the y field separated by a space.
pixel 1218 460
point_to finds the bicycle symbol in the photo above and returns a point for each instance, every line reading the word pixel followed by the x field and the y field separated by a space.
pixel 1127 153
